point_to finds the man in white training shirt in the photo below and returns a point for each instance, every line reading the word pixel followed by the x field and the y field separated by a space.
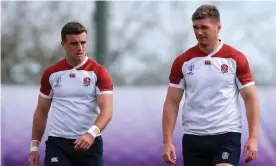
pixel 213 74
pixel 79 92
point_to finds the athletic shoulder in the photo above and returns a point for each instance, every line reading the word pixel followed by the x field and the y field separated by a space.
pixel 233 52
pixel 187 55
pixel 94 66
pixel 45 87
pixel 243 72
pixel 56 67
pixel 176 75
pixel 104 81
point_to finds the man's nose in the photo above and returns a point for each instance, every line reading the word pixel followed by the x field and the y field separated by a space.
pixel 79 46
pixel 199 31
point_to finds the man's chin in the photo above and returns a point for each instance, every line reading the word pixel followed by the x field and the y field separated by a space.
pixel 79 57
pixel 202 44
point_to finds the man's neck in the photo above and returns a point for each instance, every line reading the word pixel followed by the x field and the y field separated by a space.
pixel 211 47
pixel 74 63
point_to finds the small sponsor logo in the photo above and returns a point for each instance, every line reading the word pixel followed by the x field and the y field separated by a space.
pixel 72 75
pixel 208 62
pixel 191 68
pixel 225 155
pixel 57 82
pixel 54 159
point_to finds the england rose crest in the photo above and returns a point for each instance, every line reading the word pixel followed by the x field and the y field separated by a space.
pixel 224 68
pixel 86 81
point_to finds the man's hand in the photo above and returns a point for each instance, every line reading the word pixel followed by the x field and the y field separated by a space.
pixel 169 153
pixel 84 142
pixel 250 149
pixel 34 158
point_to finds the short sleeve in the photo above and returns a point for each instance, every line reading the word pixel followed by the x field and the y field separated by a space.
pixel 104 82
pixel 176 76
pixel 45 87
pixel 244 76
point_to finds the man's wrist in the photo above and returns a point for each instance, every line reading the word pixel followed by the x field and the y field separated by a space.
pixel 167 141
pixel 34 149
pixel 34 146
pixel 94 131
pixel 35 142
pixel 253 137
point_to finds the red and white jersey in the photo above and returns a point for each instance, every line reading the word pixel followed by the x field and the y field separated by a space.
pixel 211 84
pixel 73 92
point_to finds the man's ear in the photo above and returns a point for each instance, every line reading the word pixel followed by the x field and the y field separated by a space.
pixel 219 27
pixel 62 43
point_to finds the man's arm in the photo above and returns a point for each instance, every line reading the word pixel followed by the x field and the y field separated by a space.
pixel 104 99
pixel 246 85
pixel 40 119
pixel 250 98
pixel 105 103
pixel 104 90
pixel 170 112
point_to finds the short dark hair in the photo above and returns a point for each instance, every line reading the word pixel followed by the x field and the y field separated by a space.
pixel 206 11
pixel 72 28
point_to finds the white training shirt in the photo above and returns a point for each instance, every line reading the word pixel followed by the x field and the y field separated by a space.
pixel 211 84
pixel 73 92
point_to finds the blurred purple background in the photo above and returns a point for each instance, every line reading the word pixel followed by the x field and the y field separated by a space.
pixel 134 136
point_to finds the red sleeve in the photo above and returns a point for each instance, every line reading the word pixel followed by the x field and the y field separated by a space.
pixel 104 82
pixel 176 76
pixel 244 76
pixel 45 87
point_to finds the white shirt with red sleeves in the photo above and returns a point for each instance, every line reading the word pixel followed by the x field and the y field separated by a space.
pixel 73 92
pixel 212 83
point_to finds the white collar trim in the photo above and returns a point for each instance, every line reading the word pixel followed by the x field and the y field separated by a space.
pixel 216 50
pixel 81 64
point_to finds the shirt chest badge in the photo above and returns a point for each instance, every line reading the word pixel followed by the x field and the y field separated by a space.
pixel 224 68
pixel 86 81
pixel 191 68
pixel 57 82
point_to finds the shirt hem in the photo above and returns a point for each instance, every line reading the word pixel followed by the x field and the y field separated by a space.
pixel 211 133
pixel 67 137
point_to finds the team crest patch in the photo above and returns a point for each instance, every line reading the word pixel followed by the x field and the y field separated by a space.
pixel 225 155
pixel 224 68
pixel 86 81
